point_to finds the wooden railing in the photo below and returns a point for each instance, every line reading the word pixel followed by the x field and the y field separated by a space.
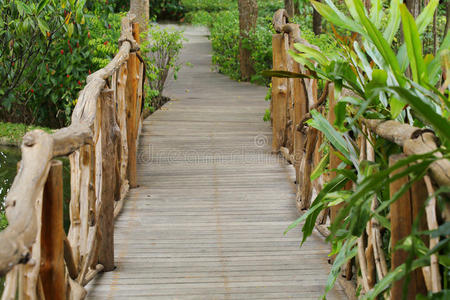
pixel 38 259
pixel 292 100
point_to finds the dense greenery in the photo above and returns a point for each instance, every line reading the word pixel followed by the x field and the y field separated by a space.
pixel 374 69
pixel 12 133
pixel 48 49
pixel 222 17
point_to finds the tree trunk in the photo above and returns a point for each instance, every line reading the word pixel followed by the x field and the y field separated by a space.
pixel 317 22
pixel 413 7
pixel 289 6
pixel 447 25
pixel 296 7
pixel 140 8
pixel 248 14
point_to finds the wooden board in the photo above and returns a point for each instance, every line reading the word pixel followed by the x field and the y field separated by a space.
pixel 208 218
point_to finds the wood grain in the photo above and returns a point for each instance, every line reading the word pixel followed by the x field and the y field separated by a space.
pixel 208 217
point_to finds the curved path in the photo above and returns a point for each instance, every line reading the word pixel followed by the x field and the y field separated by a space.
pixel 208 218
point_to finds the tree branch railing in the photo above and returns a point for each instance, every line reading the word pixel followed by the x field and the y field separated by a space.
pixel 36 256
pixel 292 101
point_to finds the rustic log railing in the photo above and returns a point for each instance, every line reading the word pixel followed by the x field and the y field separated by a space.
pixel 38 259
pixel 292 100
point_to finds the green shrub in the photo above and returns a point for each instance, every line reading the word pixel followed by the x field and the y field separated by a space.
pixel 208 5
pixel 52 49
pixel 222 17
pixel 166 10
pixel 374 69
pixel 160 54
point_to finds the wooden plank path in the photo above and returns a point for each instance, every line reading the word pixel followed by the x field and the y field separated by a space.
pixel 208 217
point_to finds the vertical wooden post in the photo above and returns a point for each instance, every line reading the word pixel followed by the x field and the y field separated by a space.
pixel 279 94
pixel 106 249
pixel 300 109
pixel 334 159
pixel 52 270
pixel 401 225
pixel 132 118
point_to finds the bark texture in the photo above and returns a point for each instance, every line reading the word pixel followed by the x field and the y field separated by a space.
pixel 317 22
pixel 289 6
pixel 141 9
pixel 248 14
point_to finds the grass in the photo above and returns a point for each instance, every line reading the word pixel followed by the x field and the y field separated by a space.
pixel 12 133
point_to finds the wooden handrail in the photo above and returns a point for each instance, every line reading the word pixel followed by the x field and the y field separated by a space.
pixel 98 147
pixel 292 101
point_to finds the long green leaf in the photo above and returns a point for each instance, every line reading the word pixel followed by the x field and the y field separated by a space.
pixel 422 21
pixel 376 12
pixel 434 67
pixel 312 53
pixel 393 22
pixel 378 40
pixel 335 138
pixel 413 45
pixel 422 107
pixel 333 15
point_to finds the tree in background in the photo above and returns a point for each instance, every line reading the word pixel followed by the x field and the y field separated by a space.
pixel 317 22
pixel 289 6
pixel 248 15
pixel 141 9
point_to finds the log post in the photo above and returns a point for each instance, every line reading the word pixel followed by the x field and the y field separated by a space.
pixel 403 212
pixel 334 159
pixel 300 109
pixel 132 118
pixel 106 249
pixel 52 270
pixel 279 94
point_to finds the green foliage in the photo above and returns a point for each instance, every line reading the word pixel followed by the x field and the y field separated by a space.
pixel 166 10
pixel 208 5
pixel 374 70
pixel 160 54
pixel 12 133
pixel 46 54
pixel 223 20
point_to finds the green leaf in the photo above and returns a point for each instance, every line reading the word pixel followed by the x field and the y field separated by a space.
pixel 423 108
pixel 340 113
pixel 413 45
pixel 333 15
pixel 434 67
pixel 396 107
pixel 376 12
pixel 23 8
pixel 41 5
pixel 312 53
pixel 422 21
pixel 69 29
pixel 347 252
pixel 393 22
pixel 378 40
pixel 43 26
pixel 335 138
pixel 320 169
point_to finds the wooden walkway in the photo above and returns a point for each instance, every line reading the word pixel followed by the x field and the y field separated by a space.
pixel 208 218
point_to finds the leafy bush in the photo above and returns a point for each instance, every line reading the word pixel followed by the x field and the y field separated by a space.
pixel 48 49
pixel 374 70
pixel 224 28
pixel 166 10
pixel 161 52
pixel 208 5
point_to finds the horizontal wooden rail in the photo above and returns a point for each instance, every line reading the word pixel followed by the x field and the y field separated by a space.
pixel 100 143
pixel 292 101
